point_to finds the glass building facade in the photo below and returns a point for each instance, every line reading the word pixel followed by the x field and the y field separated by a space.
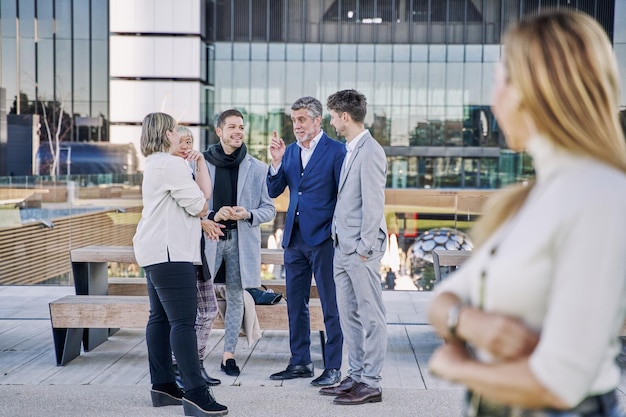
pixel 425 66
pixel 55 53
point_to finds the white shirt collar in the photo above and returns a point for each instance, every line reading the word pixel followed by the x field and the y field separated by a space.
pixel 351 146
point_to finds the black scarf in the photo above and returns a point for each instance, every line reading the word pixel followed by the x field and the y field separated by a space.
pixel 226 175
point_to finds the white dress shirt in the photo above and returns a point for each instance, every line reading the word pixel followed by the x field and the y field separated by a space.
pixel 351 146
pixel 168 229
pixel 560 266
pixel 305 153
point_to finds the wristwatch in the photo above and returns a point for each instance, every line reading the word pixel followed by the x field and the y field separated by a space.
pixel 452 321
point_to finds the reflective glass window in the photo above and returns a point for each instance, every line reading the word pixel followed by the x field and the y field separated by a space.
pixel 294 51
pixel 365 52
pixel 456 53
pixel 99 20
pixel 276 51
pixel 276 83
pixel 347 74
pixel 313 52
pixel 223 51
pixel 81 73
pixel 63 16
pixel 419 53
pixel 491 53
pixel 241 51
pixel 258 51
pixel 473 53
pixel 437 53
pixel 294 82
pixel 402 53
pixel 347 52
pixel 384 53
pixel 330 52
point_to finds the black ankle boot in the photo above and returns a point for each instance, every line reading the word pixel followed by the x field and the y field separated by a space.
pixel 166 394
pixel 199 402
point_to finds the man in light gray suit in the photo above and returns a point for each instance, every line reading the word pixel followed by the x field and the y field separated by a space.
pixel 359 232
pixel 240 203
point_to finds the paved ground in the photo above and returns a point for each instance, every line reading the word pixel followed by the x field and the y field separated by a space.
pixel 113 380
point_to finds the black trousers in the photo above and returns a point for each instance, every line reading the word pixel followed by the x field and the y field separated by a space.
pixel 173 300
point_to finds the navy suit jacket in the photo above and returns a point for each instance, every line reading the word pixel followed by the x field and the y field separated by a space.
pixel 313 192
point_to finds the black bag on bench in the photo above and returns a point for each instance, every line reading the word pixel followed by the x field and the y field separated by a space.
pixel 264 296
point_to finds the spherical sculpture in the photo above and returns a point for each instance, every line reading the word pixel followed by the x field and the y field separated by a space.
pixel 421 252
pixel 439 239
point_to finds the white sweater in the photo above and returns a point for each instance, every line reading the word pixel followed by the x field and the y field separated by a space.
pixel 560 266
pixel 171 199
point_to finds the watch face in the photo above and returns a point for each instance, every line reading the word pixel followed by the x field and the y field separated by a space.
pixel 453 319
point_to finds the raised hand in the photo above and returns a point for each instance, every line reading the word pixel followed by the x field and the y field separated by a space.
pixel 277 150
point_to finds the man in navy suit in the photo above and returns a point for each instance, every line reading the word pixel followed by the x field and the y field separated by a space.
pixel 310 167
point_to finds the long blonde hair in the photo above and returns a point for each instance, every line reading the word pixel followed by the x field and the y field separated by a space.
pixel 562 64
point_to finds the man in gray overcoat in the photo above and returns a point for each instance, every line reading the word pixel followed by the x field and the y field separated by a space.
pixel 240 203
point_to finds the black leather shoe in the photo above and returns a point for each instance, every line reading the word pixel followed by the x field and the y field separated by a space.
pixel 360 394
pixel 346 385
pixel 294 371
pixel 328 377
pixel 208 378
pixel 230 368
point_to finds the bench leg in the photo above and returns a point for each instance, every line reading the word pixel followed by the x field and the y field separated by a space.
pixel 66 344
pixel 94 337
pixel 323 345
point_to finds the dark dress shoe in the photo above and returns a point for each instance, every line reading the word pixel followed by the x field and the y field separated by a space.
pixel 230 368
pixel 360 394
pixel 294 371
pixel 207 378
pixel 346 386
pixel 328 377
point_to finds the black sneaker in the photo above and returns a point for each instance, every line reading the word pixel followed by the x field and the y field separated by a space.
pixel 230 368
pixel 200 402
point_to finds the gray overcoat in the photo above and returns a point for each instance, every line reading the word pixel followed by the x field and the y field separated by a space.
pixel 253 196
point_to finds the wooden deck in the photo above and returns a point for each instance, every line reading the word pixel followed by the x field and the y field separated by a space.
pixel 113 379
pixel 27 354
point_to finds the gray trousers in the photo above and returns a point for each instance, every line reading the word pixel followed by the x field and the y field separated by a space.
pixel 228 250
pixel 362 315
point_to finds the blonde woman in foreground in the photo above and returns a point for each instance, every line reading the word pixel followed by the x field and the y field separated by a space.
pixel 532 320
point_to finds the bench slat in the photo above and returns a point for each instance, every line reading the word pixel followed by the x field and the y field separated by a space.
pixel 107 311
pixel 126 254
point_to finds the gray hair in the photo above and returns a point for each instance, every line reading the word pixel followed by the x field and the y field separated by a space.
pixel 312 104
pixel 184 131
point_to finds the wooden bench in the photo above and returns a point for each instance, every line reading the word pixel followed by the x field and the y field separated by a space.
pixel 90 273
pixel 448 258
pixel 71 314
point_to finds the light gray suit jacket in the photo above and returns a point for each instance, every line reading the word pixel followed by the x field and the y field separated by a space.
pixel 359 220
pixel 253 196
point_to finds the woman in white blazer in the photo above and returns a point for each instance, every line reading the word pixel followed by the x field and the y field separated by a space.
pixel 166 245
